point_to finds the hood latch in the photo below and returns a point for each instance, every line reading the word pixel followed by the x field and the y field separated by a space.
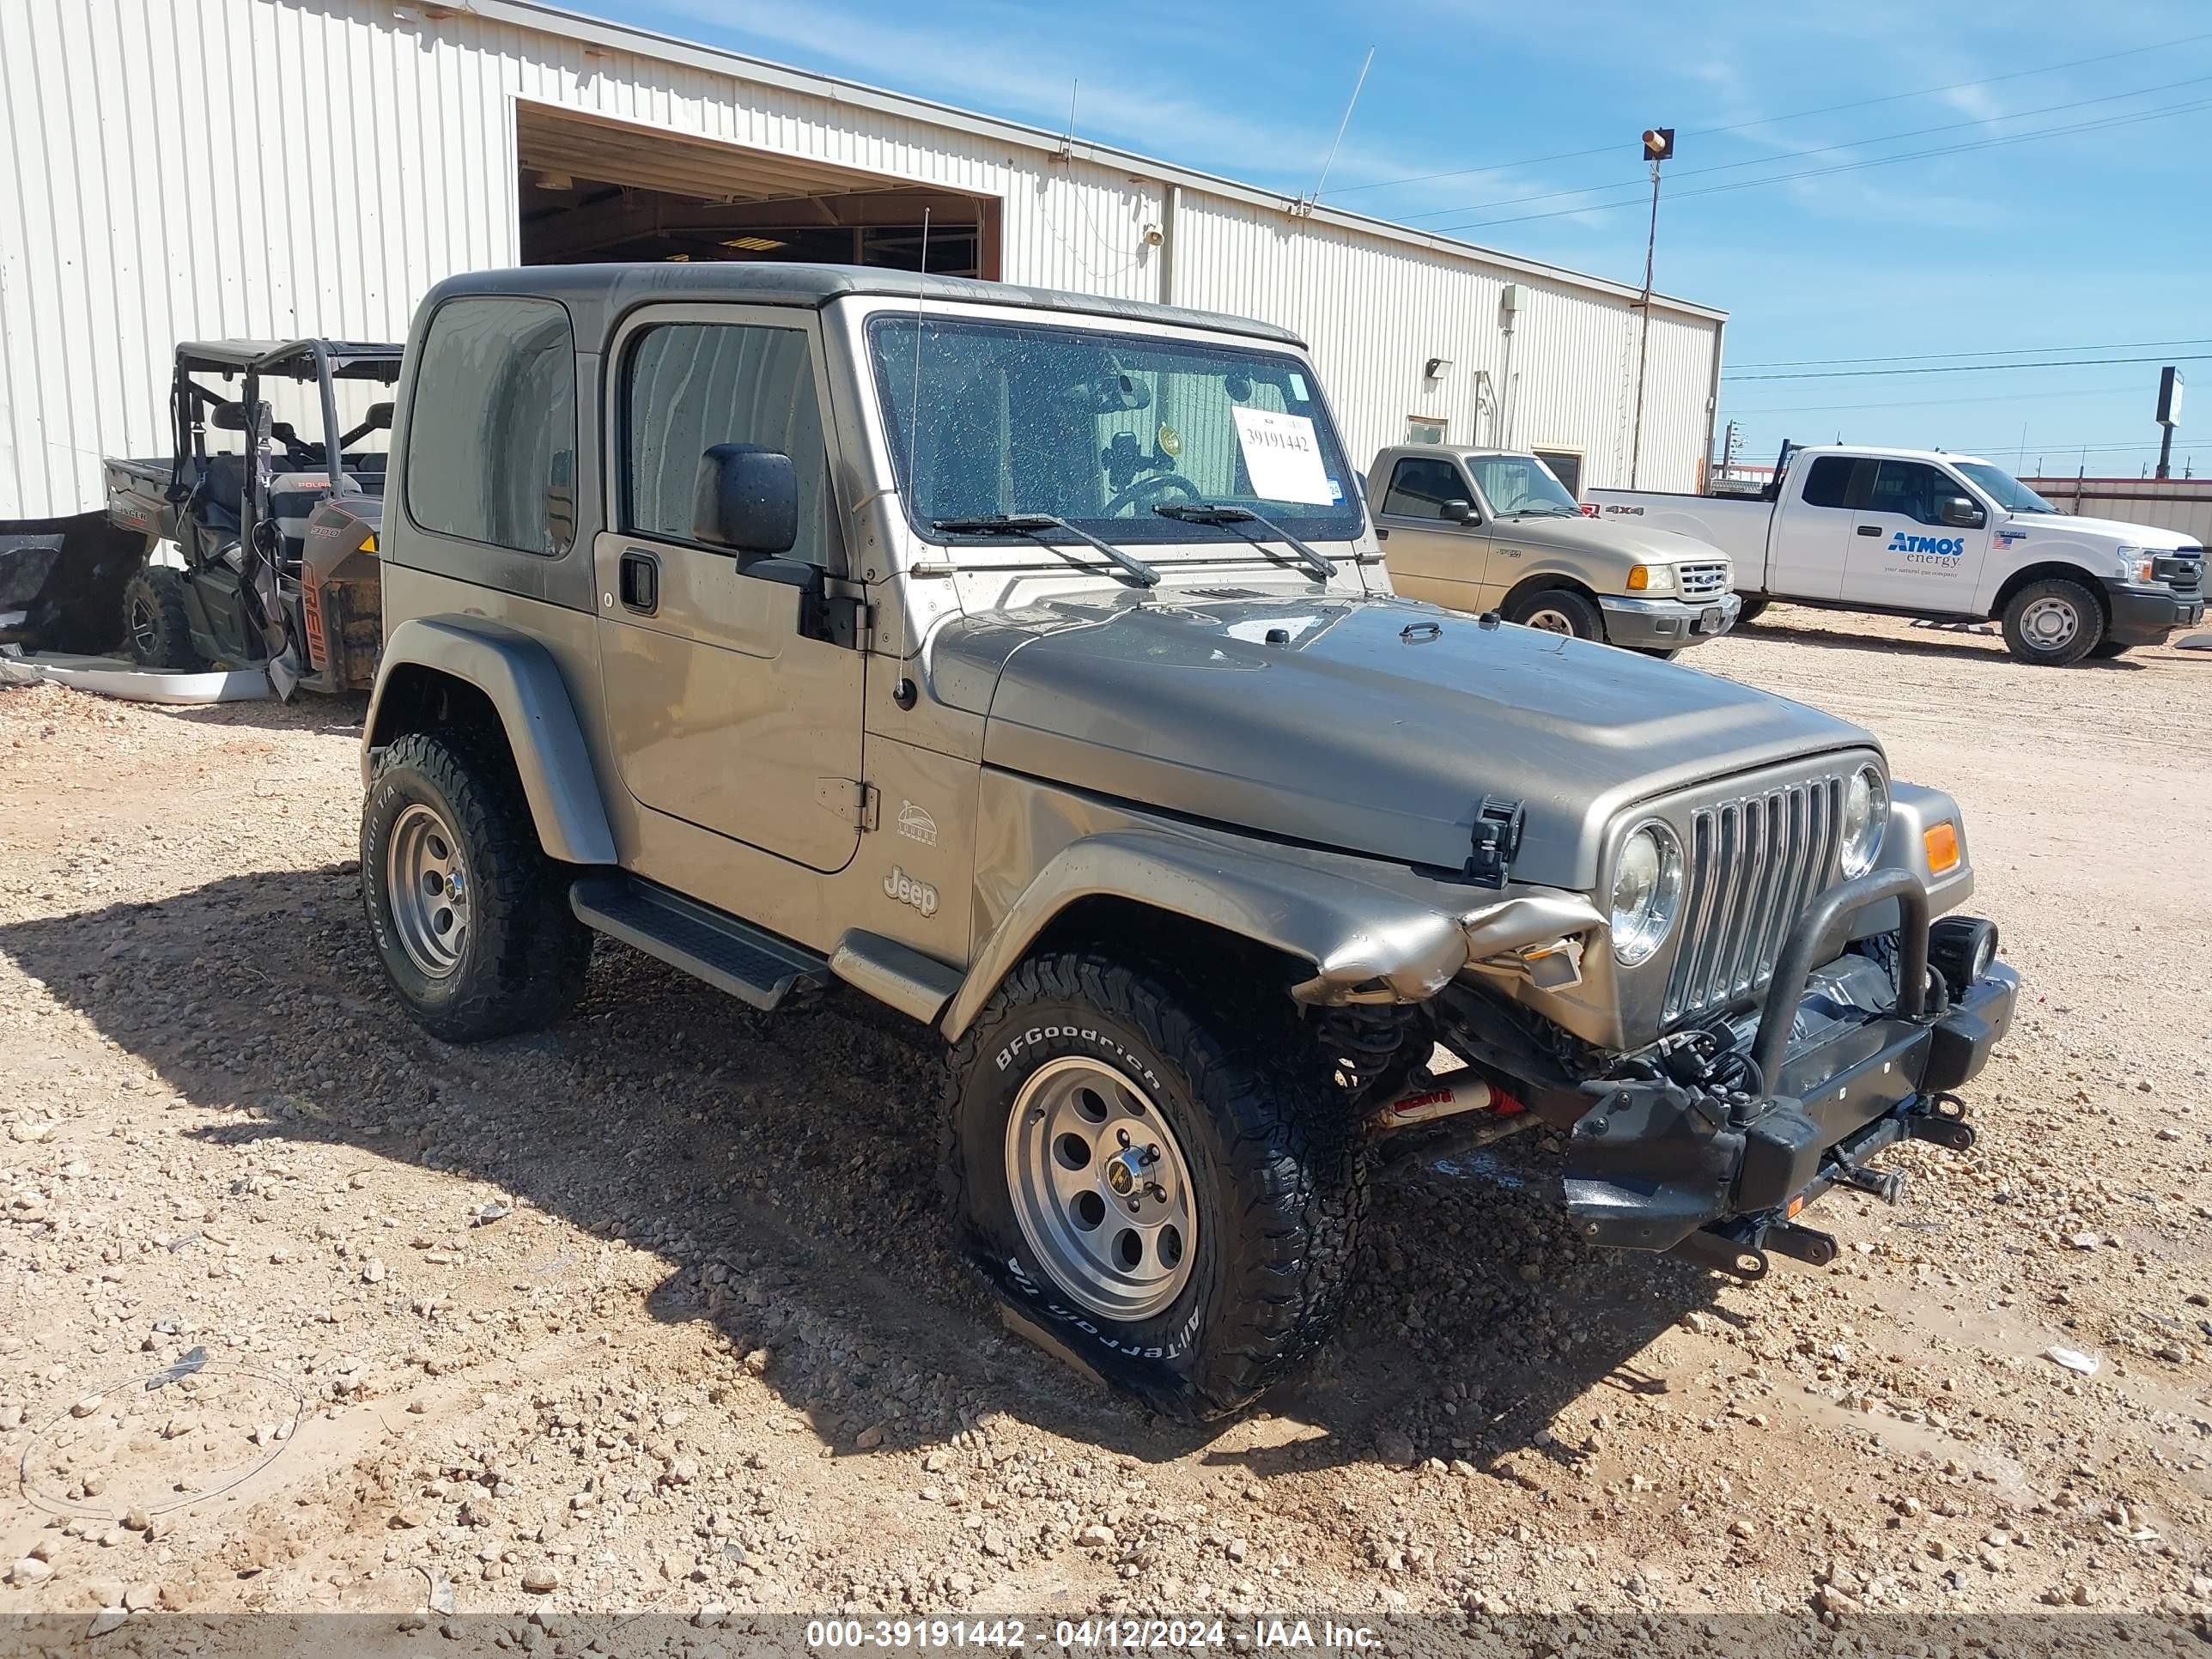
pixel 1497 838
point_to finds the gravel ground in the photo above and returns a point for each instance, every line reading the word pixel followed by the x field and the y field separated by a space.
pixel 654 1312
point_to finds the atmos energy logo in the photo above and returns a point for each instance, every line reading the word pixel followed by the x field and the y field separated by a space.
pixel 1942 547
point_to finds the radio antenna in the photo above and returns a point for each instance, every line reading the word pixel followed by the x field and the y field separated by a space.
pixel 902 692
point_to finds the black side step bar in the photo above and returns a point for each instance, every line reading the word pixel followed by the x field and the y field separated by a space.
pixel 734 956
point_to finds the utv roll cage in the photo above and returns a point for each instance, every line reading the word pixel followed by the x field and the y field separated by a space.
pixel 269 566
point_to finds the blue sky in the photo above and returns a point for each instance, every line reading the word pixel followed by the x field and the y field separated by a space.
pixel 2099 236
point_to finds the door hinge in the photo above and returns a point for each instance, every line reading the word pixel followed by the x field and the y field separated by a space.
pixel 853 802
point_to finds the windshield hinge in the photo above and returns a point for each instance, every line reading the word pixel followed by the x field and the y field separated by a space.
pixel 1496 839
pixel 852 801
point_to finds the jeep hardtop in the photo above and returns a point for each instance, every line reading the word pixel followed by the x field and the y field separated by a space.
pixel 1025 661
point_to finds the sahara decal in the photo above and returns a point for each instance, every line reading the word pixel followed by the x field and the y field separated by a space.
pixel 915 823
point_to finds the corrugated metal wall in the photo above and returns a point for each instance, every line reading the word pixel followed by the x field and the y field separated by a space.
pixel 132 227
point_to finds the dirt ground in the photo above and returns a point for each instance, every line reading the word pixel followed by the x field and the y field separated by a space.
pixel 655 1311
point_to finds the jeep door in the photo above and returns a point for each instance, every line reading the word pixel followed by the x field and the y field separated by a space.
pixel 727 706
pixel 1905 550
pixel 1432 554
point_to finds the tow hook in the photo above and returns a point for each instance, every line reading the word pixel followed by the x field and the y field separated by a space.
pixel 1738 1258
pixel 1807 1245
pixel 1944 1123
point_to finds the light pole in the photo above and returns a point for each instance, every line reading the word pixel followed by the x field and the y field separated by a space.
pixel 1658 145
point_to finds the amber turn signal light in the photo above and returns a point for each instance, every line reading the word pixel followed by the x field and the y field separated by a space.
pixel 1942 845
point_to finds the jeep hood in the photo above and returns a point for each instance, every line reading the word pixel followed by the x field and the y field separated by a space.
pixel 1375 726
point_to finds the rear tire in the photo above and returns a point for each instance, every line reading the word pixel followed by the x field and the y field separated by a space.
pixel 1235 1264
pixel 155 624
pixel 1558 610
pixel 470 918
pixel 2053 623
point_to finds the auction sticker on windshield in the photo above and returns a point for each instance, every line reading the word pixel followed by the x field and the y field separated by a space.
pixel 1284 458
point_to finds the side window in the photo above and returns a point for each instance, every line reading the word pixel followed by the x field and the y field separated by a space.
pixel 491 432
pixel 688 386
pixel 1828 481
pixel 1419 488
pixel 1910 488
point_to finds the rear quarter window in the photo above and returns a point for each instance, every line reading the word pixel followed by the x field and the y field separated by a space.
pixel 491 431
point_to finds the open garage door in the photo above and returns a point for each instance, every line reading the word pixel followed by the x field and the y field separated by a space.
pixel 593 189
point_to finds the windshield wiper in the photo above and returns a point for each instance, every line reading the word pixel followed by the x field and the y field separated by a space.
pixel 1321 566
pixel 1035 524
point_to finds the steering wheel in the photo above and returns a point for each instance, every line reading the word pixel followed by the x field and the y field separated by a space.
pixel 1143 488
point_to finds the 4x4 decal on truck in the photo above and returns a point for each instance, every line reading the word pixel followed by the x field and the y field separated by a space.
pixel 1946 547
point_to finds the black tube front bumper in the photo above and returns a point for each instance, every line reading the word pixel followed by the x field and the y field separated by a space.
pixel 1654 1162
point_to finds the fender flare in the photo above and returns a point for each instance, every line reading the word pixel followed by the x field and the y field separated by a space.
pixel 526 688
pixel 1367 941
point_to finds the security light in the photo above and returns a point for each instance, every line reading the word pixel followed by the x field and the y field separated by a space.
pixel 1658 143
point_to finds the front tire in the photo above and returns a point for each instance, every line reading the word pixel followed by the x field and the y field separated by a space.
pixel 470 918
pixel 2105 650
pixel 1175 1202
pixel 1558 610
pixel 2053 623
pixel 156 624
pixel 1754 604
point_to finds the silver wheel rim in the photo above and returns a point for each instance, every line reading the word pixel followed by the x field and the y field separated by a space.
pixel 1548 621
pixel 1101 1190
pixel 2050 624
pixel 428 883
pixel 143 630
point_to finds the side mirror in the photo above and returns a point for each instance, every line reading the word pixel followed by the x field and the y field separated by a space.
pixel 1962 515
pixel 746 500
pixel 1461 512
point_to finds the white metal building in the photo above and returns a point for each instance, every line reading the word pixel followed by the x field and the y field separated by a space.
pixel 181 169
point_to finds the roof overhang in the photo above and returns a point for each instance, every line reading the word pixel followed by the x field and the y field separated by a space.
pixel 541 18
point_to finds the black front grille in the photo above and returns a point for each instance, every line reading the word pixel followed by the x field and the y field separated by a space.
pixel 2182 569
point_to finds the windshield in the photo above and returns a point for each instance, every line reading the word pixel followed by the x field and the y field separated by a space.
pixel 1520 487
pixel 2001 487
pixel 1098 430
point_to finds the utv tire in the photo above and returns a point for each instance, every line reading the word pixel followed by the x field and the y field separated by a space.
pixel 1558 610
pixel 470 916
pixel 155 624
pixel 2053 623
pixel 1246 1172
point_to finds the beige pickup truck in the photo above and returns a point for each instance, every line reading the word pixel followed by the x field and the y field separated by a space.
pixel 1493 530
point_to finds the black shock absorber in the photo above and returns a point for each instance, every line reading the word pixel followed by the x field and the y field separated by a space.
pixel 1368 1044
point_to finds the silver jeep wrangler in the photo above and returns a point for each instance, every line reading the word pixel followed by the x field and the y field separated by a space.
pixel 1027 662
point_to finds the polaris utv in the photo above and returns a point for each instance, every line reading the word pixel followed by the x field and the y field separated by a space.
pixel 278 536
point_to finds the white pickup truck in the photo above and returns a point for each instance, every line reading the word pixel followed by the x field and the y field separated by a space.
pixel 1917 532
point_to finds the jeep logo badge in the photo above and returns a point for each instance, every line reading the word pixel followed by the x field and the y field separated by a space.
pixel 907 890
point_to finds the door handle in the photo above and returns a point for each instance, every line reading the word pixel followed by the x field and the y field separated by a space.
pixel 639 582
pixel 1869 530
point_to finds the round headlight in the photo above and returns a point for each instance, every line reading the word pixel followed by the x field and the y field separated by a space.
pixel 1647 892
pixel 1866 815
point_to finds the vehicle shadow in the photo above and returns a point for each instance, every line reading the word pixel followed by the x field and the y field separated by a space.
pixel 781 1171
pixel 1921 643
